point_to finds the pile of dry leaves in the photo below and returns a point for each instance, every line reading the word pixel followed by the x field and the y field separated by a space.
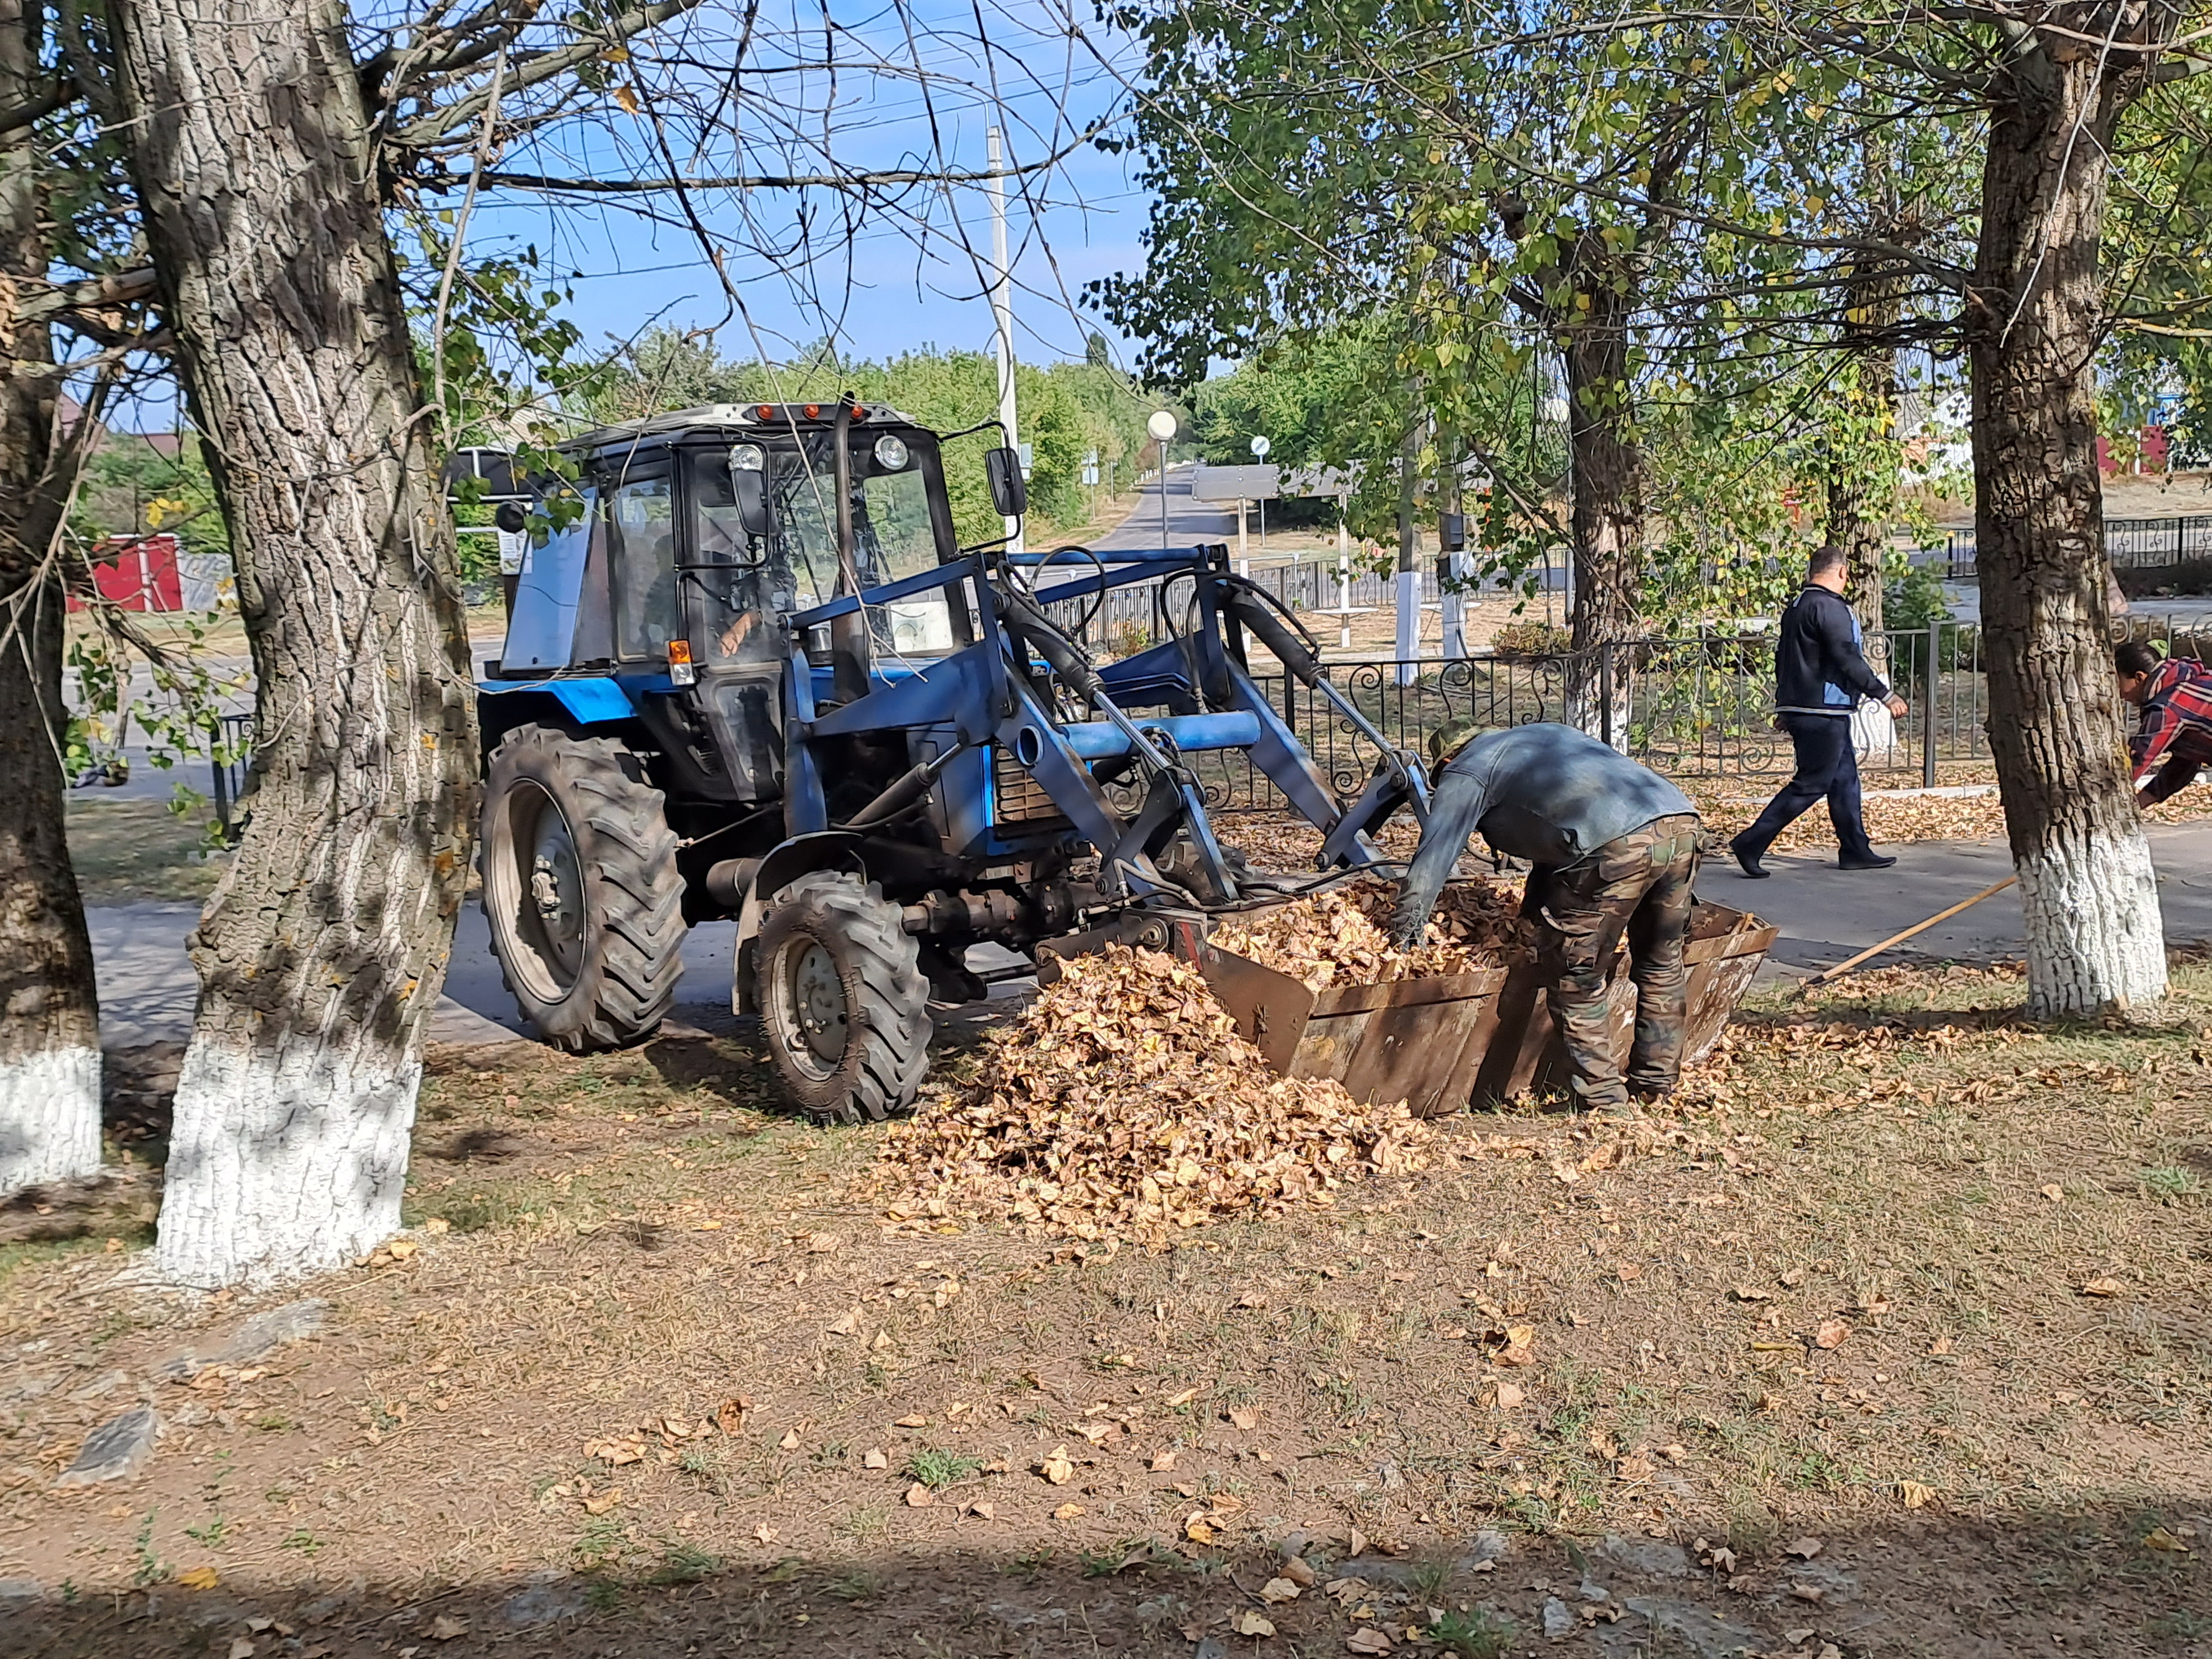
pixel 1340 936
pixel 1124 1104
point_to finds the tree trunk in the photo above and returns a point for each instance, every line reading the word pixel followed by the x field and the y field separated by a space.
pixel 321 954
pixel 2094 936
pixel 1606 525
pixel 49 1014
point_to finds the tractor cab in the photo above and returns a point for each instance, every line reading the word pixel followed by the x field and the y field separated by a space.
pixel 673 565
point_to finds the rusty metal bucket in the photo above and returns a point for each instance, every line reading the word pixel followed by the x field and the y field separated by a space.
pixel 1441 1043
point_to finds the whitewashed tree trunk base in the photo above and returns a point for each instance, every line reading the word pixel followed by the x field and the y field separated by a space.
pixel 49 1117
pixel 279 1168
pixel 2096 942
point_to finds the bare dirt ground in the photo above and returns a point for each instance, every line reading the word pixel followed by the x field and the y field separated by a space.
pixel 1888 1338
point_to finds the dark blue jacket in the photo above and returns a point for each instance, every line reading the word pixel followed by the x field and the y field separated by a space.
pixel 1818 667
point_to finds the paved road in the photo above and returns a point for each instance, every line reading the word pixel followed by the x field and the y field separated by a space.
pixel 146 987
pixel 1189 520
pixel 1825 913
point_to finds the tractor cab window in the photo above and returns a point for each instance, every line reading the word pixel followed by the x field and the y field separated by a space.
pixel 641 517
pixel 893 530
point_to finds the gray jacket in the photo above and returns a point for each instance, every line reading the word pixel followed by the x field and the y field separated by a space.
pixel 1546 794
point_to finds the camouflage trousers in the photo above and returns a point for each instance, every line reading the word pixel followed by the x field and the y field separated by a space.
pixel 1637 885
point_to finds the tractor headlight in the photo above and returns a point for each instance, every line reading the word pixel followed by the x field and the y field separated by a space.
pixel 891 453
pixel 748 458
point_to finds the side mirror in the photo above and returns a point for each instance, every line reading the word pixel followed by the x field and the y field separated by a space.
pixel 512 518
pixel 748 488
pixel 1010 491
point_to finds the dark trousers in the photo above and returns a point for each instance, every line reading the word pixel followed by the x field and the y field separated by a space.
pixel 1638 885
pixel 1825 766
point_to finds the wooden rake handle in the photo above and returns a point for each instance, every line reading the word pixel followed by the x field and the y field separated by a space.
pixel 1850 962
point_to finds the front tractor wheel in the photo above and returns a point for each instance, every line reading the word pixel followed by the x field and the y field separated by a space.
pixel 581 888
pixel 842 998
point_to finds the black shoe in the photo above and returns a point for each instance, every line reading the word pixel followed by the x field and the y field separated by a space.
pixel 1749 862
pixel 1871 862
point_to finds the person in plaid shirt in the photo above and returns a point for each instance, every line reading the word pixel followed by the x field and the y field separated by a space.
pixel 2173 734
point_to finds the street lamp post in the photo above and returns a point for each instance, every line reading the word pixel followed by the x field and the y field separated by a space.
pixel 1162 425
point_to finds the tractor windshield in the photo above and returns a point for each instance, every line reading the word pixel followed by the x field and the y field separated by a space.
pixel 894 529
pixel 751 584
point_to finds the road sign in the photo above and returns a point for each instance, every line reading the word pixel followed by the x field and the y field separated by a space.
pixel 1162 425
pixel 1237 483
pixel 1259 448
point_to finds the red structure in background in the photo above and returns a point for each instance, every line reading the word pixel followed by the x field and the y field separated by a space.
pixel 139 574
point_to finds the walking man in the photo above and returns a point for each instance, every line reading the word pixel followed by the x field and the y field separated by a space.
pixel 1613 848
pixel 1820 675
pixel 2173 733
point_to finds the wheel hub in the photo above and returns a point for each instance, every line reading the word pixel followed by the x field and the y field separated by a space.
pixel 556 889
pixel 817 1003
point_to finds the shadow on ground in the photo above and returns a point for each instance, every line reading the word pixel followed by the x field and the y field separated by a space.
pixel 2108 1582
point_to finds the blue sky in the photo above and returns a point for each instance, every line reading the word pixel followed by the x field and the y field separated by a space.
pixel 914 89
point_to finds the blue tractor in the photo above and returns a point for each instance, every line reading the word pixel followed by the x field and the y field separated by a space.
pixel 751 673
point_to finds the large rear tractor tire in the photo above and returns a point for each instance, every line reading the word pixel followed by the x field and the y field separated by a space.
pixel 843 1001
pixel 581 888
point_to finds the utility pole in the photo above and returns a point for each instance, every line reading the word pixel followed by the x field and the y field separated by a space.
pixel 1002 312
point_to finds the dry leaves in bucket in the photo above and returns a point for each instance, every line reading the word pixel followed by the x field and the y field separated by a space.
pixel 1341 937
pixel 1123 1102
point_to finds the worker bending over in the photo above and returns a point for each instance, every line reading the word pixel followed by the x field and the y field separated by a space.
pixel 1614 847
pixel 2173 732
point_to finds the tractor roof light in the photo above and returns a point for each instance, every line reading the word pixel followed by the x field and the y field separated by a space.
pixel 812 411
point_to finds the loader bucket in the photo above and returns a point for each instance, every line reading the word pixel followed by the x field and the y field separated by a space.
pixel 1442 1043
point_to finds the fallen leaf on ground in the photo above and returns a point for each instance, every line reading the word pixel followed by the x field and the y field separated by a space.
pixel 241 1647
pixel 1804 1548
pixel 1278 1591
pixel 1250 1623
pixel 2103 1285
pixel 848 1325
pixel 1067 1512
pixel 445 1629
pixel 764 1534
pixel 875 1458
pixel 1245 1417
pixel 2054 1192
pixel 1358 1545
pixel 918 1497
pixel 1511 1394
pixel 983 1509
pixel 1297 1571
pixel 790 1440
pixel 1520 1346
pixel 913 1420
pixel 1831 1333
pixel 401 1248
pixel 1163 1461
pixel 730 1415
pixel 1182 1398
pixel 606 1501
pixel 1914 1495
pixel 1055 1467
pixel 199 1578
pixel 1368 1640
pixel 2158 1538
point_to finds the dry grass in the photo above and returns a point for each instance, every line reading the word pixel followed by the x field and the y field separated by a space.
pixel 631 1239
